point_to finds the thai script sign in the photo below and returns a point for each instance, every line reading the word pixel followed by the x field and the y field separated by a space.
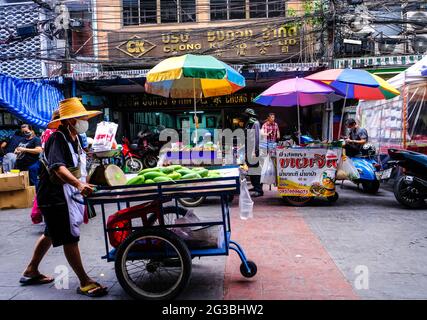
pixel 144 100
pixel 228 44
pixel 306 172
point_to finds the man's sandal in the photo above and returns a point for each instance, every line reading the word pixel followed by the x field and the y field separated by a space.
pixel 93 290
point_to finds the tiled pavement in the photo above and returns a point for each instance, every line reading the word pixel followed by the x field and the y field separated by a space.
pixel 291 261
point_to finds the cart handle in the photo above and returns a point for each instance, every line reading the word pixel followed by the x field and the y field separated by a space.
pixel 77 197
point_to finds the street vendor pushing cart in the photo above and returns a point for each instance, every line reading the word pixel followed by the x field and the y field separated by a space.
pixel 62 175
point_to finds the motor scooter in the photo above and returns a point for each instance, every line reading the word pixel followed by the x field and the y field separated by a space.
pixel 369 171
pixel 367 166
pixel 410 189
pixel 131 160
pixel 149 146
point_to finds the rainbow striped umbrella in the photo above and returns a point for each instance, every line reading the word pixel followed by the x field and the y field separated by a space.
pixel 193 76
pixel 355 84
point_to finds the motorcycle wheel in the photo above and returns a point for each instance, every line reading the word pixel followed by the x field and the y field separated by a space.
pixel 408 195
pixel 371 187
pixel 133 165
pixel 149 160
pixel 297 201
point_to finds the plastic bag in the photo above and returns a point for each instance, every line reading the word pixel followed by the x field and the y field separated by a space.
pixel 268 172
pixel 161 162
pixel 198 237
pixel 104 136
pixel 245 202
pixel 347 170
pixel 36 214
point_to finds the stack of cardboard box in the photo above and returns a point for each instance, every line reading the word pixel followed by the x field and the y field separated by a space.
pixel 15 191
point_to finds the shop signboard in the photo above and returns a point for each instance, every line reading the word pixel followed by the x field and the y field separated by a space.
pixel 229 44
pixel 144 100
pixel 307 172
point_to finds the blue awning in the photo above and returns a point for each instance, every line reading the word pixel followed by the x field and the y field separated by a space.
pixel 32 101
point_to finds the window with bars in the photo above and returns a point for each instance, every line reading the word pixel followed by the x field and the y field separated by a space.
pixel 217 9
pixel 187 10
pixel 177 11
pixel 266 8
pixel 136 12
pixel 169 11
pixel 228 9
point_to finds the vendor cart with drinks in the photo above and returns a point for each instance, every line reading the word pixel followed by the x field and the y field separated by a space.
pixel 147 236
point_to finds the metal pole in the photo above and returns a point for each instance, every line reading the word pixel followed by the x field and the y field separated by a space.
pixel 299 123
pixel 342 112
pixel 196 120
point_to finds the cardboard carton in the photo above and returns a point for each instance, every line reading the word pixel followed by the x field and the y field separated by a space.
pixel 14 181
pixel 17 199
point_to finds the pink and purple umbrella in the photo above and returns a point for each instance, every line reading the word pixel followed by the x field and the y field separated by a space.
pixel 297 92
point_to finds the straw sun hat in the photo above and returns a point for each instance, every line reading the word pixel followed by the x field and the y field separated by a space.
pixel 69 109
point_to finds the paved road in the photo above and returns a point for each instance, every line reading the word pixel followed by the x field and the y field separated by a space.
pixel 371 233
pixel 376 232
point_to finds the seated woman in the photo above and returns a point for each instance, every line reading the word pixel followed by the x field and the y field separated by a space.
pixel 27 154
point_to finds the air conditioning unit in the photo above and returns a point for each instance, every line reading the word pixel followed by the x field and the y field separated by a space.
pixel 360 22
pixel 389 46
pixel 417 16
pixel 419 44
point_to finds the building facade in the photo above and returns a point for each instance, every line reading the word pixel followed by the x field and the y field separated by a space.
pixel 264 40
pixel 14 60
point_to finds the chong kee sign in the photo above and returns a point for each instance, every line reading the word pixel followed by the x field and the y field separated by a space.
pixel 259 41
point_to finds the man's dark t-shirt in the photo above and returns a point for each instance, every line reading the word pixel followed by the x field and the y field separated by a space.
pixel 57 154
pixel 13 143
pixel 26 159
pixel 252 139
pixel 356 134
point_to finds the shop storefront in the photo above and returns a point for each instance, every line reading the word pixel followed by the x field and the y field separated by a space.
pixel 138 112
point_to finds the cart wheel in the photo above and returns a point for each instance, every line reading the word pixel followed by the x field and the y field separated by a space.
pixel 153 264
pixel 170 214
pixel 297 201
pixel 253 269
pixel 191 202
pixel 333 198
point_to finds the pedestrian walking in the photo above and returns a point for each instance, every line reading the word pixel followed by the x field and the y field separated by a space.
pixel 63 174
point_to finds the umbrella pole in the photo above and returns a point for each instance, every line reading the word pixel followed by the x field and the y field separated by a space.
pixel 342 112
pixel 196 122
pixel 299 122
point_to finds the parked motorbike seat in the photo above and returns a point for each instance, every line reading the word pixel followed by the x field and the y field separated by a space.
pixel 134 146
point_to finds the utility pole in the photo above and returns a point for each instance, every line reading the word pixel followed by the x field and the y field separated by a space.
pixel 329 54
pixel 331 24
